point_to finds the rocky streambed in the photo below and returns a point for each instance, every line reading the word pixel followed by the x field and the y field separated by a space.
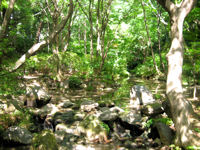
pixel 96 116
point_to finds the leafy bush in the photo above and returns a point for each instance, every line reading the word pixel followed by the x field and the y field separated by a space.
pixel 167 121
pixel 9 83
pixel 74 82
pixel 147 68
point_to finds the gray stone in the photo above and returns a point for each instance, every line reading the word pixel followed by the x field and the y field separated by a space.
pixel 166 107
pixel 131 117
pixel 68 129
pixel 165 133
pixel 140 95
pixel 66 104
pixel 152 109
pixel 64 117
pixel 36 95
pixel 88 106
pixel 18 134
pixel 65 141
pixel 49 109
pixel 110 114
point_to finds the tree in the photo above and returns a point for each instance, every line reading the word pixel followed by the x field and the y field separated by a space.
pixel 38 46
pixel 149 37
pixel 6 19
pixel 89 17
pixel 181 109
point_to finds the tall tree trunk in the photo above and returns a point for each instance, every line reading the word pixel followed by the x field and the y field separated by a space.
pixel 91 28
pixel 180 108
pixel 149 37
pixel 37 38
pixel 85 37
pixel 98 29
pixel 6 19
pixel 44 43
pixel 89 17
pixel 68 34
pixel 159 43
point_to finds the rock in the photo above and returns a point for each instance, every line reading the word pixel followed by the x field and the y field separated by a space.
pixel 132 117
pixel 49 109
pixel 165 133
pixel 45 140
pixel 166 107
pixel 63 117
pixel 66 104
pixel 68 129
pixel 110 114
pixel 152 109
pixel 88 106
pixel 140 95
pixel 36 95
pixel 18 135
pixel 94 129
pixel 65 141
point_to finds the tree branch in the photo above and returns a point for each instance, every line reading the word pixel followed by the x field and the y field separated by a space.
pixel 83 9
pixel 39 46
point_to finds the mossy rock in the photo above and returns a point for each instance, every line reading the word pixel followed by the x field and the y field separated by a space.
pixel 44 141
pixel 94 129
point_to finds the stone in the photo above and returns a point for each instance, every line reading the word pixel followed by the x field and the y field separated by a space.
pixel 36 96
pixel 88 106
pixel 152 109
pixel 49 109
pixel 166 107
pixel 65 141
pixel 94 129
pixel 18 135
pixel 68 129
pixel 64 117
pixel 140 95
pixel 165 132
pixel 110 114
pixel 132 117
pixel 45 140
pixel 66 104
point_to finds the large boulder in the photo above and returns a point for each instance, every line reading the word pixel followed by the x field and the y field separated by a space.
pixel 18 135
pixel 165 132
pixel 140 95
pixel 152 109
pixel 45 140
pixel 110 114
pixel 68 129
pixel 66 141
pixel 67 117
pixel 36 96
pixel 94 129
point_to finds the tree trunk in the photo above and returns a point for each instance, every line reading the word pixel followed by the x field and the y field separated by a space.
pixel 44 43
pixel 159 43
pixel 180 108
pixel 6 19
pixel 98 29
pixel 149 37
pixel 85 37
pixel 37 38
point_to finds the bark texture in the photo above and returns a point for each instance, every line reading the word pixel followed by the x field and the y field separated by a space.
pixel 6 19
pixel 181 109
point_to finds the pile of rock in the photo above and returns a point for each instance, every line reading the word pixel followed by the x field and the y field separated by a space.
pixel 88 122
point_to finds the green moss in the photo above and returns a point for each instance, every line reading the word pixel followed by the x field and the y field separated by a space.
pixel 44 141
